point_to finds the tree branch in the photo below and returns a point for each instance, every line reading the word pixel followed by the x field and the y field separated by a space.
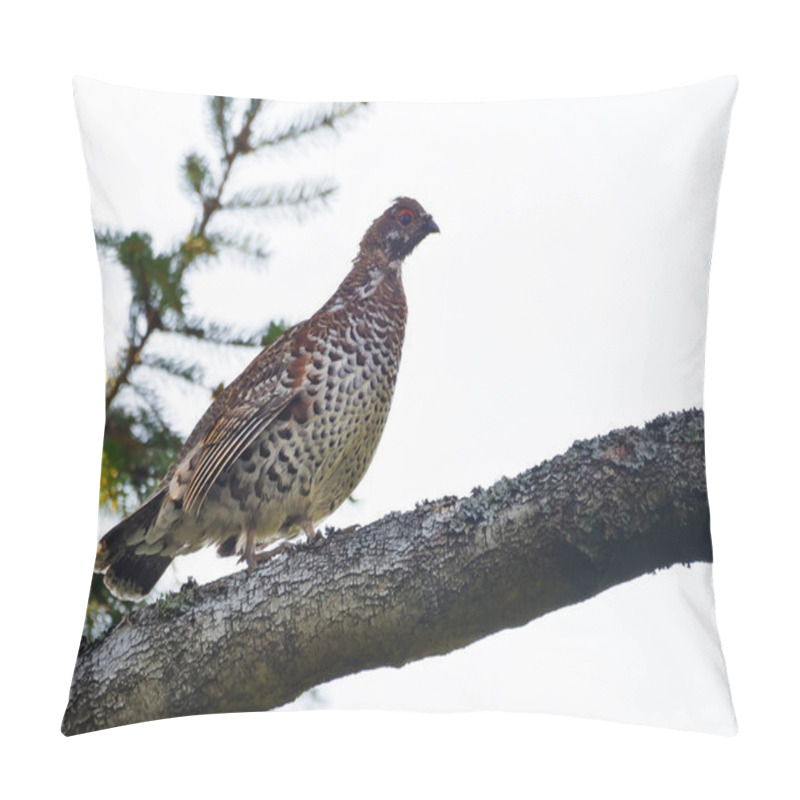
pixel 410 585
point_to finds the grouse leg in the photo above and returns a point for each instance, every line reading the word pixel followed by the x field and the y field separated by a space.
pixel 312 535
pixel 254 558
pixel 249 554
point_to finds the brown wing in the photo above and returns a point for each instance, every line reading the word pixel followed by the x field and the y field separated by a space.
pixel 226 441
pixel 241 414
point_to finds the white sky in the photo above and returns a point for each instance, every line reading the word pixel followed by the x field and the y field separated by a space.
pixel 564 297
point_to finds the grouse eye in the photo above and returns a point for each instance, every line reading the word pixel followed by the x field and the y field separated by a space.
pixel 405 216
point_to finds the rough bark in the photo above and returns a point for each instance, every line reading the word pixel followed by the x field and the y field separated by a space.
pixel 410 585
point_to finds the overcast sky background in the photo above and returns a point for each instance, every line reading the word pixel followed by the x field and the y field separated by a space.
pixel 560 301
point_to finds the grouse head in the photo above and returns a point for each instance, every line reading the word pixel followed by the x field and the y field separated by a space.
pixel 400 228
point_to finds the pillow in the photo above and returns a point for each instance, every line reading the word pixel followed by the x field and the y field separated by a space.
pixel 542 267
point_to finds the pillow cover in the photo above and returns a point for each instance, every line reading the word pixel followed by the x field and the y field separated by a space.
pixel 542 268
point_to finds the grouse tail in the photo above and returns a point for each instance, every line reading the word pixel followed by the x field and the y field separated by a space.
pixel 128 572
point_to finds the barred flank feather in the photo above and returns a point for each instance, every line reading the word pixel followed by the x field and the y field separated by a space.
pixel 128 575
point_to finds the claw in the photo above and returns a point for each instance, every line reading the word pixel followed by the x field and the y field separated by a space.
pixel 268 555
pixel 312 535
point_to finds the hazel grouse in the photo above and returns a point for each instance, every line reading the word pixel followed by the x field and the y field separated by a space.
pixel 289 439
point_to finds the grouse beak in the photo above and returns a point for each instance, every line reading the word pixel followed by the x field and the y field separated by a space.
pixel 431 226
